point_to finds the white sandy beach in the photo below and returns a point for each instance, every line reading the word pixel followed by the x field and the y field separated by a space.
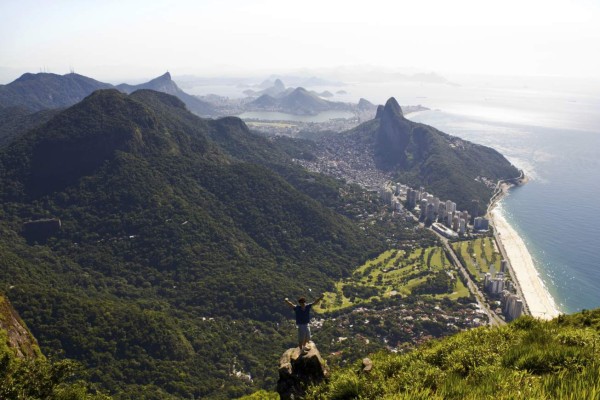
pixel 539 301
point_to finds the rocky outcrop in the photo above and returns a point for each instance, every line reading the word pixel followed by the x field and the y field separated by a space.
pixel 299 369
pixel 18 337
pixel 165 84
pixel 393 136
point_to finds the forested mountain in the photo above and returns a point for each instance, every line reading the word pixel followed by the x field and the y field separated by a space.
pixel 24 371
pixel 420 155
pixel 298 101
pixel 178 238
pixel 165 84
pixel 17 120
pixel 43 91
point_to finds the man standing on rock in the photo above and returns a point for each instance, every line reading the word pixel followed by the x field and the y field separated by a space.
pixel 302 311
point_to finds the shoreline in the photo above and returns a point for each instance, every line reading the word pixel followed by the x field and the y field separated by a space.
pixel 530 287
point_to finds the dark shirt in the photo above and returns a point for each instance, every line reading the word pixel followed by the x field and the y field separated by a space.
pixel 302 316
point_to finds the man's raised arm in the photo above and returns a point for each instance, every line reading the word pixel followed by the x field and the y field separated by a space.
pixel 318 300
pixel 289 303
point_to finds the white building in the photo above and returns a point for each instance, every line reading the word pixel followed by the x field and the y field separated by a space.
pixel 481 224
pixel 513 306
pixel 449 218
pixel 442 230
pixel 450 206
pixel 503 266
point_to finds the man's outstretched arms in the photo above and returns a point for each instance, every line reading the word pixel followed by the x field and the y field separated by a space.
pixel 289 303
pixel 318 300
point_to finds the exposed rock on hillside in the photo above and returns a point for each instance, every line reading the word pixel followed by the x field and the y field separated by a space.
pixel 297 370
pixel 165 84
pixel 17 335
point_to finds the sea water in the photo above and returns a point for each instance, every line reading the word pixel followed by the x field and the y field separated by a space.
pixel 558 212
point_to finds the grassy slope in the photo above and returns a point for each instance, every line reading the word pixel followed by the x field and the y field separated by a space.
pixel 528 359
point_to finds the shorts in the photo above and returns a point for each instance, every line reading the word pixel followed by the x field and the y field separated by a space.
pixel 303 333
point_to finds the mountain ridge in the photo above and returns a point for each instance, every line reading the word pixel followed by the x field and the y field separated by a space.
pixel 420 155
pixel 49 91
pixel 165 84
pixel 298 101
pixel 44 90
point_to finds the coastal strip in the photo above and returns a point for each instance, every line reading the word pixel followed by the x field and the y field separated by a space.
pixel 538 300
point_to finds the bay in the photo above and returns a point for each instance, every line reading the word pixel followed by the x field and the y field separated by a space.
pixel 279 116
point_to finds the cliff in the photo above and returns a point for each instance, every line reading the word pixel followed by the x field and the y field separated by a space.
pixel 14 335
pixel 297 370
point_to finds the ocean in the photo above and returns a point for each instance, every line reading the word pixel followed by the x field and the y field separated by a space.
pixel 557 212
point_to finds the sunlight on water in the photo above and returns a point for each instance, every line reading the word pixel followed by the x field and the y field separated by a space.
pixel 555 213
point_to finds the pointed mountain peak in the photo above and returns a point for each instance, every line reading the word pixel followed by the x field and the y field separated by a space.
pixel 392 106
pixel 164 77
pixel 364 103
pixel 379 112
pixel 278 84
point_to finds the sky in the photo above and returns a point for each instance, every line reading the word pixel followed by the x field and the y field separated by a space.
pixel 124 40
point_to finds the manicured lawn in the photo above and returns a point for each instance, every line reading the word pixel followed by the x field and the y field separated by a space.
pixel 394 272
pixel 479 255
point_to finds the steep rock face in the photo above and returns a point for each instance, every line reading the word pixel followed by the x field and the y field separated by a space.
pixel 420 155
pixel 296 370
pixel 165 84
pixel 18 338
pixel 393 136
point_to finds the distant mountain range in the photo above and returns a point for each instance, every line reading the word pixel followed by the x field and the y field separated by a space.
pixel 297 101
pixel 36 92
pixel 49 91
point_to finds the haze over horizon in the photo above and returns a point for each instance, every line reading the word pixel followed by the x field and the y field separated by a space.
pixel 117 41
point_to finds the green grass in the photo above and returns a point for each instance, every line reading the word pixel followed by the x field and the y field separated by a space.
pixel 528 359
pixel 479 255
pixel 261 395
pixel 393 272
pixel 460 290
